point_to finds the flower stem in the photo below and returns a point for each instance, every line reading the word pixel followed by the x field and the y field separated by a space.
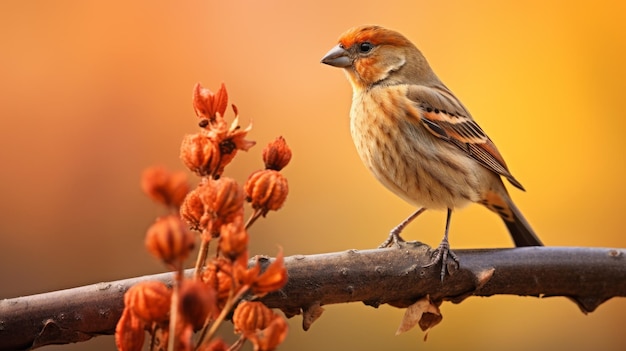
pixel 238 344
pixel 207 333
pixel 202 255
pixel 178 277
pixel 257 213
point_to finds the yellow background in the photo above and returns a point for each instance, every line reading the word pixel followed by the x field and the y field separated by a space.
pixel 92 93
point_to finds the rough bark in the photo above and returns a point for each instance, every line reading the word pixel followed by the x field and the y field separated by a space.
pixel 588 276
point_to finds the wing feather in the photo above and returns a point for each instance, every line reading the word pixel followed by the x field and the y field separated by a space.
pixel 446 118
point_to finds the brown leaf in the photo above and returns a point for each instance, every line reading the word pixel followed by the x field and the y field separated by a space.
pixel 310 315
pixel 420 312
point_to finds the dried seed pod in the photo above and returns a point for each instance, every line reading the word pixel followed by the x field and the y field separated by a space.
pixel 250 316
pixel 201 154
pixel 197 302
pixel 193 210
pixel 267 190
pixel 269 338
pixel 129 332
pixel 149 301
pixel 233 239
pixel 169 239
pixel 218 275
pixel 276 154
pixel 165 187
pixel 228 202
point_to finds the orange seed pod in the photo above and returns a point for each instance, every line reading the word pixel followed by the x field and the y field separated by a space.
pixel 192 210
pixel 269 338
pixel 228 201
pixel 165 187
pixel 197 302
pixel 276 154
pixel 233 239
pixel 169 239
pixel 200 154
pixel 129 332
pixel 267 190
pixel 149 301
pixel 250 316
pixel 218 275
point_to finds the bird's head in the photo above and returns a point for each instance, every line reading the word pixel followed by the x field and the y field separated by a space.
pixel 375 55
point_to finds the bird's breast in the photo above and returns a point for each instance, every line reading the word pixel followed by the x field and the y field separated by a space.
pixel 407 159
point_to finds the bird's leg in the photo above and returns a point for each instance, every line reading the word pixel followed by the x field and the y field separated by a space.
pixel 443 251
pixel 394 235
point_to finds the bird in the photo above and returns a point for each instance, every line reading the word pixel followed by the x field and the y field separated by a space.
pixel 418 139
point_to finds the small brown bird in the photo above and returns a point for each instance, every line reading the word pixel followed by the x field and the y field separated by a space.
pixel 417 138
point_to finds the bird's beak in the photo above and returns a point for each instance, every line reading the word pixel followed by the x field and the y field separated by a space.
pixel 338 57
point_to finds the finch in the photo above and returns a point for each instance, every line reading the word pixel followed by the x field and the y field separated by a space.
pixel 418 139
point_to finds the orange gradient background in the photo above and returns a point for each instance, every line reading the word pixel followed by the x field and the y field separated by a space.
pixel 91 94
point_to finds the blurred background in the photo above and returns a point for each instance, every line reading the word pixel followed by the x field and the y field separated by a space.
pixel 92 93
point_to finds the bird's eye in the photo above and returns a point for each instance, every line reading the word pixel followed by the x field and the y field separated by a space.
pixel 365 47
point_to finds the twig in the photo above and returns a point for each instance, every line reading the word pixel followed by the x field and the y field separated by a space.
pixel 588 276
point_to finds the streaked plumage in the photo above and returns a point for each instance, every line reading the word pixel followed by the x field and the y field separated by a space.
pixel 416 137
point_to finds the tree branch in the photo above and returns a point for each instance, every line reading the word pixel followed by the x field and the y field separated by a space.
pixel 588 276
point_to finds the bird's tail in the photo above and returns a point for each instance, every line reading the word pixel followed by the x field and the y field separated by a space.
pixel 520 230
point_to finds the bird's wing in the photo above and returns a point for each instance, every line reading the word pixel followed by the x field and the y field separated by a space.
pixel 446 118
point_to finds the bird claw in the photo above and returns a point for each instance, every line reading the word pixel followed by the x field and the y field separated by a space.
pixel 393 240
pixel 441 254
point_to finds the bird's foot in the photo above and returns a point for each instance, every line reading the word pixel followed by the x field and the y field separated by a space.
pixel 393 240
pixel 441 254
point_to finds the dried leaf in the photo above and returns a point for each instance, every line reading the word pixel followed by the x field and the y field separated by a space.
pixel 420 311
pixel 428 321
pixel 273 278
pixel 311 314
